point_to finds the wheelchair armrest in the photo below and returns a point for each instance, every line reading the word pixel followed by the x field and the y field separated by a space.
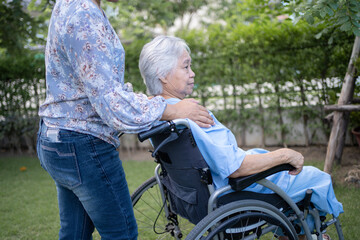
pixel 240 183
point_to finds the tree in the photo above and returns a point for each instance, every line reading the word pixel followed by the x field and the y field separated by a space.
pixel 248 41
pixel 343 15
pixel 18 28
pixel 20 72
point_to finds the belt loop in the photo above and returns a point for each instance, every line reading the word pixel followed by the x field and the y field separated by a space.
pixel 42 126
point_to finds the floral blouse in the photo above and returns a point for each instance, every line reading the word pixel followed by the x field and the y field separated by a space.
pixel 85 90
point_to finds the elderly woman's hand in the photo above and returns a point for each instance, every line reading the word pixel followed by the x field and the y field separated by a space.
pixel 294 158
pixel 189 108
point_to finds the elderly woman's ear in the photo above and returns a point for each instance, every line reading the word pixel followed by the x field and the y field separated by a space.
pixel 163 80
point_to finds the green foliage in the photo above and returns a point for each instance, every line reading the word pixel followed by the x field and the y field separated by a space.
pixel 343 15
pixel 250 57
pixel 132 72
pixel 288 65
pixel 40 6
pixel 144 16
pixel 20 94
pixel 18 28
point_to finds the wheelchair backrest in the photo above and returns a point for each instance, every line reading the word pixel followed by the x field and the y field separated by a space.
pixel 184 171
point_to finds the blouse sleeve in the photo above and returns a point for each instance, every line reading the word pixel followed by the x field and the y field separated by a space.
pixel 97 57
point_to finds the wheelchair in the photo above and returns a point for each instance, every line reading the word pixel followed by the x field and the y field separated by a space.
pixel 180 200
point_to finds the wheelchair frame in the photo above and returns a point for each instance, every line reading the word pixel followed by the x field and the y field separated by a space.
pixel 234 184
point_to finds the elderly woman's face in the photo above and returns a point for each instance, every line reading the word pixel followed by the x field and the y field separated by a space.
pixel 180 82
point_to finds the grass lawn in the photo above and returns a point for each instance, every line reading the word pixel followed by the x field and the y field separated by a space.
pixel 28 204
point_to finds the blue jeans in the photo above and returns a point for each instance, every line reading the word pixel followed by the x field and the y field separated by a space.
pixel 91 185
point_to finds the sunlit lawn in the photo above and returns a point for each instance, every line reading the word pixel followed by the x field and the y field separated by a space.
pixel 28 204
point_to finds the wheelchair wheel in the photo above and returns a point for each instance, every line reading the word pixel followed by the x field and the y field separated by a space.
pixel 246 219
pixel 150 214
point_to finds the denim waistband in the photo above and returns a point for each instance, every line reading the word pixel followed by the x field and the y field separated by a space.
pixel 56 134
pixel 51 133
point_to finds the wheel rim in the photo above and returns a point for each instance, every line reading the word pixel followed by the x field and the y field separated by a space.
pixel 252 207
pixel 150 215
pixel 250 225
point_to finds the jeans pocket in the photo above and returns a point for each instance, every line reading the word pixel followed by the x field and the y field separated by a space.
pixel 59 160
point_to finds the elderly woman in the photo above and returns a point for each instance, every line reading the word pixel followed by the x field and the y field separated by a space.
pixel 165 65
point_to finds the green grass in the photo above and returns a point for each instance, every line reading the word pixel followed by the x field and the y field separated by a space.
pixel 28 204
pixel 28 201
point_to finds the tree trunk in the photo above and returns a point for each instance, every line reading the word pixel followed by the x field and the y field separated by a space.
pixel 234 96
pixel 243 123
pixel 203 98
pixel 224 95
pixel 338 130
pixel 262 120
pixel 323 96
pixel 303 113
pixel 281 122
pixel 236 70
pixel 36 94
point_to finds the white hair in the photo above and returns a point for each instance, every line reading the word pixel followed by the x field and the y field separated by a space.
pixel 157 60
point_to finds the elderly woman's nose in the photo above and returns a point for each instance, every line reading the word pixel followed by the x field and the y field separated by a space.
pixel 192 74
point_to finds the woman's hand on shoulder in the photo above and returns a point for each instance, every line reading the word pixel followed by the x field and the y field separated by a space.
pixel 191 109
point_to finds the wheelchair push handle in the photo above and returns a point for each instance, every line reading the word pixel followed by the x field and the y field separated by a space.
pixel 164 127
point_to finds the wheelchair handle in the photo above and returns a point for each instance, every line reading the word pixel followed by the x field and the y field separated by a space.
pixel 164 127
pixel 168 126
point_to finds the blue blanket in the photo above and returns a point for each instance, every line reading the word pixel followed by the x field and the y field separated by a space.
pixel 219 148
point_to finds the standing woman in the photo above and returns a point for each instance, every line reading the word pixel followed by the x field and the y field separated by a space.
pixel 87 106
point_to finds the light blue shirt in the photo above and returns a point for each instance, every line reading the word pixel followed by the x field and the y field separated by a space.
pixel 219 148
pixel 85 90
